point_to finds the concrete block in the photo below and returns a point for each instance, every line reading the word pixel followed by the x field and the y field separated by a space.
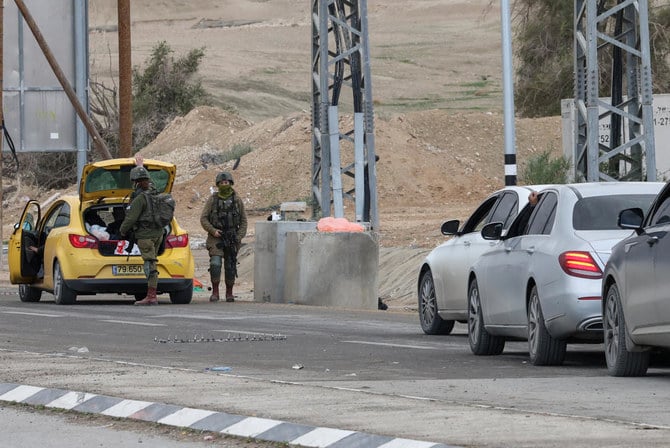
pixel 269 253
pixel 292 211
pixel 338 269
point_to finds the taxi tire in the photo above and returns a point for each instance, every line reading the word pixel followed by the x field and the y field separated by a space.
pixel 182 296
pixel 29 294
pixel 63 295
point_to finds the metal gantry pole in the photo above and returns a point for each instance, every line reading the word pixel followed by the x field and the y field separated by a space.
pixel 628 152
pixel 81 78
pixel 508 94
pixel 341 61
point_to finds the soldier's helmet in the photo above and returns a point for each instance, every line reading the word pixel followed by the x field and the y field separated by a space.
pixel 139 172
pixel 224 176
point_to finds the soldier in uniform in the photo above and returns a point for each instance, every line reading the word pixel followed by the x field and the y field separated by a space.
pixel 149 236
pixel 225 221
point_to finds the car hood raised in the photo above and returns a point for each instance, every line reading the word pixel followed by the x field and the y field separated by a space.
pixel 111 178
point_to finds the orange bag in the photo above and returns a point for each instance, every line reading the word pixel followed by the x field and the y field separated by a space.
pixel 330 224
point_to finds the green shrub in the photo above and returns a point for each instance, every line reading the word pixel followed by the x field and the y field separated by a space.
pixel 166 88
pixel 544 169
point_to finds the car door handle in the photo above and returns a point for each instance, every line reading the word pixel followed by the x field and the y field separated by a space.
pixel 652 240
pixel 531 250
pixel 467 243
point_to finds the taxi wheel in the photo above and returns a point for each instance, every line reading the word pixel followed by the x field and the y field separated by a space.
pixel 62 294
pixel 182 297
pixel 29 294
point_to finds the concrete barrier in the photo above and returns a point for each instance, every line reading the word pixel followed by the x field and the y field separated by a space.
pixel 293 263
pixel 269 254
pixel 332 269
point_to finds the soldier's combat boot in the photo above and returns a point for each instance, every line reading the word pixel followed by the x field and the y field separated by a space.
pixel 229 293
pixel 215 292
pixel 150 299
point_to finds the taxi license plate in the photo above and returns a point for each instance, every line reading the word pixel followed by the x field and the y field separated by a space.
pixel 127 269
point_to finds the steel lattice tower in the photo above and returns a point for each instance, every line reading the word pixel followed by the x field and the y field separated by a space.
pixel 617 30
pixel 341 60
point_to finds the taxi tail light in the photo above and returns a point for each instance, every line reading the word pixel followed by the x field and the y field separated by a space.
pixel 175 241
pixel 580 264
pixel 83 241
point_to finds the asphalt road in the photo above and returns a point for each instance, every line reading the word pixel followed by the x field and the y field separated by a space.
pixel 369 371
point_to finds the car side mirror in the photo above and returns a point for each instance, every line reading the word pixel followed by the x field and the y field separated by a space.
pixel 631 218
pixel 450 227
pixel 492 231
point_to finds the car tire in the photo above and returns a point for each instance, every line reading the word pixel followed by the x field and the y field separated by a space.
pixel 431 322
pixel 182 297
pixel 482 343
pixel 620 362
pixel 63 295
pixel 29 294
pixel 544 350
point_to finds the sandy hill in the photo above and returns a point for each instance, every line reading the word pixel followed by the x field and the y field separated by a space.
pixel 433 164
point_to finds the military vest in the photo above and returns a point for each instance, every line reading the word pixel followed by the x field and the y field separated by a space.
pixel 225 214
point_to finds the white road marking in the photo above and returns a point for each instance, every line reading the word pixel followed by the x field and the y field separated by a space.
pixel 210 317
pixel 385 344
pixel 127 322
pixel 32 314
pixel 247 332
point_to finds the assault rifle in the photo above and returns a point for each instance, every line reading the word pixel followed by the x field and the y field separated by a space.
pixel 229 245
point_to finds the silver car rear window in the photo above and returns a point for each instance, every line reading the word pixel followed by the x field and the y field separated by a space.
pixel 602 212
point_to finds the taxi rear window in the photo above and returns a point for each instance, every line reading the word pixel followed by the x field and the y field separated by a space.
pixel 102 179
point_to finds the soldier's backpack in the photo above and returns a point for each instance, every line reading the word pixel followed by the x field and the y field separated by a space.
pixel 161 208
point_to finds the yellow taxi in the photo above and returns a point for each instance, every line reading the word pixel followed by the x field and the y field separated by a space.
pixel 70 246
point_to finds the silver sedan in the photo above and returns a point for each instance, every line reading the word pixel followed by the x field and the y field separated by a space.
pixel 442 280
pixel 636 288
pixel 542 280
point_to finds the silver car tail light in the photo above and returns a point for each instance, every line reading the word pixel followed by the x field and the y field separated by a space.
pixel 580 264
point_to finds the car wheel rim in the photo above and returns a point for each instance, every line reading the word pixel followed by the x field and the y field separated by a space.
pixel 428 303
pixel 57 281
pixel 611 329
pixel 533 319
pixel 473 315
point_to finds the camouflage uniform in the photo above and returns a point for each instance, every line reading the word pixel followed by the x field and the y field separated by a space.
pixel 228 216
pixel 148 236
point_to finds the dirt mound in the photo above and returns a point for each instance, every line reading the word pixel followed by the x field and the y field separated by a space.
pixel 432 164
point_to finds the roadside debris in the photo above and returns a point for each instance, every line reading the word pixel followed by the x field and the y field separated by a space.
pixel 255 337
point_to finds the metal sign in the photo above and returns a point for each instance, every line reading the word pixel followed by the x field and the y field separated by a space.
pixel 38 115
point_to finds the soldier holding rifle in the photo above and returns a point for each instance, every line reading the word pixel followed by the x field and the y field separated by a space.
pixel 225 221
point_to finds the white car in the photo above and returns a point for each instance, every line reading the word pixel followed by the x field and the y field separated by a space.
pixel 542 280
pixel 443 274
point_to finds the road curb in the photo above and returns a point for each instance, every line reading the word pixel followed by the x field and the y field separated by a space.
pixel 204 420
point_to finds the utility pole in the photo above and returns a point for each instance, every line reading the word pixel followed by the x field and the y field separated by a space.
pixel 2 118
pixel 628 152
pixel 125 81
pixel 343 24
